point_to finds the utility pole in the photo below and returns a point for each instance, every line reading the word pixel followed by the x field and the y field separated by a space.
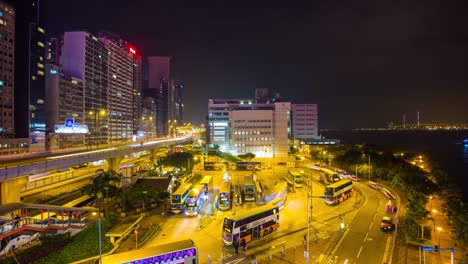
pixel 369 168
pixel 309 196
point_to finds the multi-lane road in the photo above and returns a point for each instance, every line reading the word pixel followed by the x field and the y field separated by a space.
pixel 364 241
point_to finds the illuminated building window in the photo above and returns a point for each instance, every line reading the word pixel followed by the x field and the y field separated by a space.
pixel 33 77
pixel 41 30
pixel 40 65
pixel 40 44
pixel 40 101
pixel 40 72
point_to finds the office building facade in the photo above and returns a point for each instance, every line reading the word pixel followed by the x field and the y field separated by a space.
pixel 7 71
pixel 241 126
pixel 304 122
pixel 65 101
pixel 85 57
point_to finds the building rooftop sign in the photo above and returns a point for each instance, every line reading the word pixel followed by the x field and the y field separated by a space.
pixel 70 127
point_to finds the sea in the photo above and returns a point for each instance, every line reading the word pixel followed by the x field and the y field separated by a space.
pixel 446 147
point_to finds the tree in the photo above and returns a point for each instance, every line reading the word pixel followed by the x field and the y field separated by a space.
pixel 247 156
pixel 105 184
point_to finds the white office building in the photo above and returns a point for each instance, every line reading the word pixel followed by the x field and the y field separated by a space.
pixel 244 126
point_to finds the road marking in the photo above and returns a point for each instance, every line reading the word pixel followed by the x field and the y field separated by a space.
pixel 235 261
pixel 384 260
pixel 282 242
pixel 370 226
pixel 359 253
pixel 366 237
pixel 339 242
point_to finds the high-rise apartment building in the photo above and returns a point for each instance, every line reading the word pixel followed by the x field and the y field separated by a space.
pixel 30 43
pixel 85 57
pixel 179 103
pixel 120 87
pixel 7 70
pixel 304 122
pixel 137 90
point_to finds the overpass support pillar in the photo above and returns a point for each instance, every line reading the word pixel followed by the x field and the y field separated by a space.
pixel 153 157
pixel 10 190
pixel 114 163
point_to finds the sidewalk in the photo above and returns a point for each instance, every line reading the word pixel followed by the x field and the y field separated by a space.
pixel 408 254
pixel 155 218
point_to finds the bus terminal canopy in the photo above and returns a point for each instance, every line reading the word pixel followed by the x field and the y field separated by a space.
pixel 12 207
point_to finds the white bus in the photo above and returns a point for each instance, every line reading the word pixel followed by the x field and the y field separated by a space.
pixel 195 200
pixel 338 192
pixel 295 178
pixel 252 224
pixel 249 189
pixel 178 198
pixel 224 200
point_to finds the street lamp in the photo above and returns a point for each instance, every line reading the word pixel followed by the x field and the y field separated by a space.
pixel 96 115
pixel 439 229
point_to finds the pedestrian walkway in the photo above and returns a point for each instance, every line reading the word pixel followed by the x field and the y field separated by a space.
pixel 148 227
pixel 441 235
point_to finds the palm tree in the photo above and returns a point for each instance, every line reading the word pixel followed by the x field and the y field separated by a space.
pixel 106 182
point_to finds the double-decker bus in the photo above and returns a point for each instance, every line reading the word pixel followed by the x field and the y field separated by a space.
pixel 338 192
pixel 178 198
pixel 183 251
pixel 224 199
pixel 249 189
pixel 295 178
pixel 195 200
pixel 208 182
pixel 329 176
pixel 252 224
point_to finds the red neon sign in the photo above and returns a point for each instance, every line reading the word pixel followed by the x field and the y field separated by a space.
pixel 132 50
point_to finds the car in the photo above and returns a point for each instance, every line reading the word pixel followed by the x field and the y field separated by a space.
pixel 386 224
pixel 282 163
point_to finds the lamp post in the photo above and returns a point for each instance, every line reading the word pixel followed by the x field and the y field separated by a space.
pixel 99 196
pixel 97 131
pixel 439 229
pixel 309 215
pixel 369 167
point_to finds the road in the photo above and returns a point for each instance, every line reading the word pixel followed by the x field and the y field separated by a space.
pixel 363 241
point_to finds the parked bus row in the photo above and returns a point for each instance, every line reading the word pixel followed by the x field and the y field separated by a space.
pixel 190 199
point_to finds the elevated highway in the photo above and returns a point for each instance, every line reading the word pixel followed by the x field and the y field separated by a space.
pixel 13 174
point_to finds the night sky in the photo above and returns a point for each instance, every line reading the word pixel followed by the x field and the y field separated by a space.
pixel 364 62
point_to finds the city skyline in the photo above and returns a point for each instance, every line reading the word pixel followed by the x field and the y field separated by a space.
pixel 365 64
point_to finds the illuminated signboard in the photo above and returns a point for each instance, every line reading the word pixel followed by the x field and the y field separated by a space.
pixel 132 50
pixel 176 257
pixel 70 127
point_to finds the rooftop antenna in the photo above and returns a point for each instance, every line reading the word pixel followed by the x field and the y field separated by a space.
pixel 404 120
pixel 417 115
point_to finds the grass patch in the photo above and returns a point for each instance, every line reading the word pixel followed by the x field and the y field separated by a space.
pixel 83 245
pixel 65 249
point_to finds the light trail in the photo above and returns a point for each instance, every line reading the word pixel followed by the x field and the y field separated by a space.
pixel 81 153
